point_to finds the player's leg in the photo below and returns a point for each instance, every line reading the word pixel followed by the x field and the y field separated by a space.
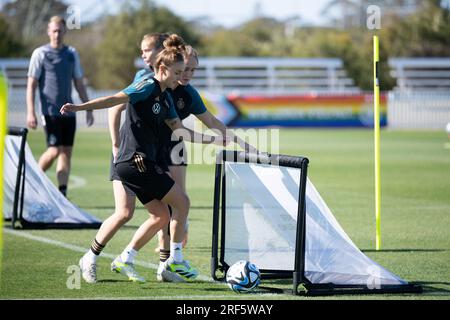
pixel 67 128
pixel 158 218
pixel 63 168
pixel 180 204
pixel 52 135
pixel 125 205
pixel 150 182
pixel 48 157
pixel 174 162
pixel 178 173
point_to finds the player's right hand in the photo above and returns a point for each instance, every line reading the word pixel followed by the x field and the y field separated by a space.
pixel 31 121
pixel 68 107
pixel 115 151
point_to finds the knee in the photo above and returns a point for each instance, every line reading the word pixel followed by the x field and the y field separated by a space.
pixel 124 215
pixel 185 203
pixel 53 152
pixel 65 152
pixel 161 220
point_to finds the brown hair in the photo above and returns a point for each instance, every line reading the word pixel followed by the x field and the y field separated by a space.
pixel 174 51
pixel 155 40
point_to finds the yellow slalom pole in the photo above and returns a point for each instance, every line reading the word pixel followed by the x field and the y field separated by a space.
pixel 376 126
pixel 3 114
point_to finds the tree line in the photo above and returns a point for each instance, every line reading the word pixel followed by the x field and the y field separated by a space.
pixel 109 45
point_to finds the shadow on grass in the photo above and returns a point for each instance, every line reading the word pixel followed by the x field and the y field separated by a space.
pixel 403 250
pixel 112 208
pixel 429 287
pixel 112 281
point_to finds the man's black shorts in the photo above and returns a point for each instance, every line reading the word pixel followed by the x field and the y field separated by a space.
pixel 59 130
pixel 144 178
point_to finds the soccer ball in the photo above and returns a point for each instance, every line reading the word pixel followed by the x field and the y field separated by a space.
pixel 447 129
pixel 243 276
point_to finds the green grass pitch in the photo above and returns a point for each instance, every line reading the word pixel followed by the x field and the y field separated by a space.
pixel 415 218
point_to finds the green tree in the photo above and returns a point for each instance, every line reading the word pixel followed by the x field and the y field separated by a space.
pixel 9 45
pixel 426 33
pixel 120 45
pixel 29 18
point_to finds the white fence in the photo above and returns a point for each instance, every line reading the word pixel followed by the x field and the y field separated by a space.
pixel 17 108
pixel 431 74
pixel 270 76
pixel 418 109
pixel 420 100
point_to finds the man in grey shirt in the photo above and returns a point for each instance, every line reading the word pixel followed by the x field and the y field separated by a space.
pixel 52 69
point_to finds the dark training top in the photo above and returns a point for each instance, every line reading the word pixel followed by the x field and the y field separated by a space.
pixel 187 101
pixel 147 110
pixel 55 69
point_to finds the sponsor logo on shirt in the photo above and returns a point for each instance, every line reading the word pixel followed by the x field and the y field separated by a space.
pixel 156 108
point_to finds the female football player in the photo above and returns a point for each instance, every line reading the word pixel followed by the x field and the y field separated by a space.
pixel 149 105
pixel 187 101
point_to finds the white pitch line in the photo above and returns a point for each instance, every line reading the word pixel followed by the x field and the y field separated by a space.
pixel 190 297
pixel 74 181
pixel 77 182
pixel 83 250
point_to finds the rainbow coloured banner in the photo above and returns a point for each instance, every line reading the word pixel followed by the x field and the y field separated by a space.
pixel 347 110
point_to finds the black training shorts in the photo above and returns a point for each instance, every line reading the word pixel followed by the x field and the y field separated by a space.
pixel 59 130
pixel 113 175
pixel 173 154
pixel 144 178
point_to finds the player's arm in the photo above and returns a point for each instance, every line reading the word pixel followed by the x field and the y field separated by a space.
pixel 99 103
pixel 32 84
pixel 215 124
pixel 82 93
pixel 192 136
pixel 114 116
pixel 34 73
pixel 79 85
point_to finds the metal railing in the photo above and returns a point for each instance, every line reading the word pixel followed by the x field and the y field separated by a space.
pixel 270 76
pixel 421 73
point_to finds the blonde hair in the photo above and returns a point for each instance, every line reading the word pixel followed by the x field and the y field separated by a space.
pixel 155 40
pixel 191 52
pixel 57 19
pixel 174 51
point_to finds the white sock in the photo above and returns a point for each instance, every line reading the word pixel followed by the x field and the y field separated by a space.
pixel 176 251
pixel 128 255
pixel 90 256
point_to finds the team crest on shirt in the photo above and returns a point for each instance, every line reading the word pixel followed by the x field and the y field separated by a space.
pixel 156 108
pixel 180 103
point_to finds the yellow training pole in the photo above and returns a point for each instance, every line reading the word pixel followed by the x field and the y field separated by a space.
pixel 3 106
pixel 376 125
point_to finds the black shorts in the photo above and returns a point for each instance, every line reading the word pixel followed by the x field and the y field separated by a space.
pixel 113 175
pixel 173 154
pixel 145 179
pixel 60 131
